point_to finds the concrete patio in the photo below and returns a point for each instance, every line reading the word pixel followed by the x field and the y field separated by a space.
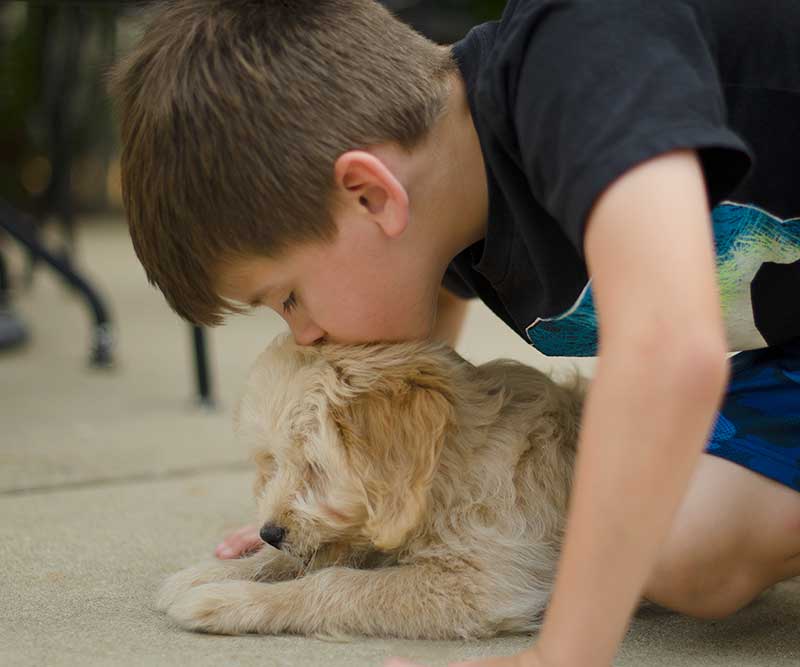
pixel 111 480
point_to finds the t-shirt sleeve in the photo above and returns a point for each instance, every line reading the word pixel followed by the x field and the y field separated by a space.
pixel 601 87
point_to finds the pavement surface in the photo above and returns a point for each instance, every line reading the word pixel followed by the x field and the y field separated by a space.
pixel 111 480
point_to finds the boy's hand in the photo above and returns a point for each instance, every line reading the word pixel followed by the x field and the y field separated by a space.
pixel 531 657
pixel 240 543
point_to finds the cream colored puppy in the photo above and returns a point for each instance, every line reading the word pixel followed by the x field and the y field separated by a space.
pixel 404 492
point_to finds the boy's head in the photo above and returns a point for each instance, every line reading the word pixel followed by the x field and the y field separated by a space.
pixel 243 125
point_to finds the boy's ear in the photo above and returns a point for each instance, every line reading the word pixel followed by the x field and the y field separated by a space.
pixel 365 183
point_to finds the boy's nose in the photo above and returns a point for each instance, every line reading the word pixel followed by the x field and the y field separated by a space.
pixel 307 334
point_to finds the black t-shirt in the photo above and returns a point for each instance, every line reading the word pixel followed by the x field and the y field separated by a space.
pixel 566 96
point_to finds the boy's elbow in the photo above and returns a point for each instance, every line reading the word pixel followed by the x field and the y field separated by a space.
pixel 704 364
pixel 695 362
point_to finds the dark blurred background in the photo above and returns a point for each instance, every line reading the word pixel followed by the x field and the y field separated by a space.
pixel 57 138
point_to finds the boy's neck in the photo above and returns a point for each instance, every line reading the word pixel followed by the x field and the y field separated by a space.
pixel 445 178
pixel 448 189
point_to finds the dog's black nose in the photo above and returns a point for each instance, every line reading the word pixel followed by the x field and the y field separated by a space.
pixel 272 534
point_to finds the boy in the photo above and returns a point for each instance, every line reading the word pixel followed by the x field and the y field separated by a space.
pixel 322 159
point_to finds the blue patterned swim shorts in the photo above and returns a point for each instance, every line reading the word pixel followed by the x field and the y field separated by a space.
pixel 759 423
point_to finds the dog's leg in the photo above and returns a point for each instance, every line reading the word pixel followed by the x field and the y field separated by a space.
pixel 267 564
pixel 410 601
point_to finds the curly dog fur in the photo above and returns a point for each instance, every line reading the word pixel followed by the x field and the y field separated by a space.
pixel 420 496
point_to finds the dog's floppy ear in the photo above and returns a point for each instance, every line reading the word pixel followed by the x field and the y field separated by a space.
pixel 393 435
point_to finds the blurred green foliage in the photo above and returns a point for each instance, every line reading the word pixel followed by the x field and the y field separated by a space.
pixel 53 110
pixel 20 75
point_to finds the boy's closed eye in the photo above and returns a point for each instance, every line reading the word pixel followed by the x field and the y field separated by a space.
pixel 289 304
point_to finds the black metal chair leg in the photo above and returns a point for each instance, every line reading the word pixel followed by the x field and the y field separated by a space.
pixel 20 226
pixel 13 332
pixel 203 375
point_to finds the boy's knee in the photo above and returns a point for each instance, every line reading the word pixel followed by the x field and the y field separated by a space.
pixel 712 592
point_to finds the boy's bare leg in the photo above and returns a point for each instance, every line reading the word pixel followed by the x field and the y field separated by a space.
pixel 736 534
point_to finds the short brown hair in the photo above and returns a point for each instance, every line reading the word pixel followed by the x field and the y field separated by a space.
pixel 232 115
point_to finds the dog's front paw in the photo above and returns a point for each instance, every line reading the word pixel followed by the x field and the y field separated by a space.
pixel 229 608
pixel 181 582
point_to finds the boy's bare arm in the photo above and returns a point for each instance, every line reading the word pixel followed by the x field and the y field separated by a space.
pixel 660 376
pixel 450 316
